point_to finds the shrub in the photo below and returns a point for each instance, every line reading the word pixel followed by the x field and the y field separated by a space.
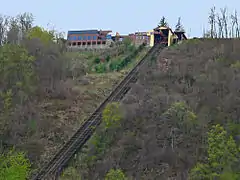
pixel 115 65
pixel 14 165
pixel 69 173
pixel 37 32
pixel 131 48
pixel 112 115
pixel 115 175
pixel 184 118
pixel 108 58
pixel 100 68
pixel 97 60
pixel 223 154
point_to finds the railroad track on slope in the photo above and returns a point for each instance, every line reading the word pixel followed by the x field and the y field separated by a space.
pixel 86 130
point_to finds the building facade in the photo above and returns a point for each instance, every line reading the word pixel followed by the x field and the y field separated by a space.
pixel 139 38
pixel 89 39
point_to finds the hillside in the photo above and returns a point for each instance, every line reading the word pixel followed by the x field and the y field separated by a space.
pixel 87 92
pixel 168 120
pixel 47 92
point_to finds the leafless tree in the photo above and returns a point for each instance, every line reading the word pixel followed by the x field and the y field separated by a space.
pixel 235 18
pixel 13 30
pixel 220 26
pixel 26 21
pixel 233 24
pixel 212 22
pixel 4 22
pixel 225 20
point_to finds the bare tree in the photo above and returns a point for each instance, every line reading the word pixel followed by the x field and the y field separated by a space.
pixel 212 23
pixel 220 26
pixel 225 20
pixel 13 30
pixel 1 29
pixel 4 22
pixel 233 24
pixel 235 17
pixel 26 21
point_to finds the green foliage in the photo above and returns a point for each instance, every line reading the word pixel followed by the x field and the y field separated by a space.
pixel 163 22
pixel 236 65
pixel 115 65
pixel 101 68
pixel 112 115
pixel 18 79
pixel 101 142
pixel 121 63
pixel 131 48
pixel 14 165
pixel 6 99
pixel 45 36
pixel 108 58
pixel 223 153
pixel 105 135
pixel 127 42
pixel 97 60
pixel 185 119
pixel 16 68
pixel 70 173
pixel 115 175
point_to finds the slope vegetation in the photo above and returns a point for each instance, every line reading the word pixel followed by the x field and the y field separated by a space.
pixel 46 92
pixel 182 113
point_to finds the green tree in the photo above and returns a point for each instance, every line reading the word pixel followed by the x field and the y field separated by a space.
pixel 115 175
pixel 223 154
pixel 14 165
pixel 45 36
pixel 163 22
pixel 112 115
pixel 16 69
pixel 185 119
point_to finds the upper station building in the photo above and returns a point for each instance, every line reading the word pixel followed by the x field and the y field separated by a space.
pixel 165 35
pixel 95 39
pixel 88 39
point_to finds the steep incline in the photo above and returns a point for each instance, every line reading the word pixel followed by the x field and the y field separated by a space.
pixel 86 130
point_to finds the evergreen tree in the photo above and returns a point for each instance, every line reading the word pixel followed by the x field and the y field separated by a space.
pixel 162 22
pixel 179 26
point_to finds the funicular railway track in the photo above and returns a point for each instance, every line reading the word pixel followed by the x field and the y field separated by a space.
pixel 52 169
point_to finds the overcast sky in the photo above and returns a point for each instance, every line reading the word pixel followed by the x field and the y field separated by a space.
pixel 123 16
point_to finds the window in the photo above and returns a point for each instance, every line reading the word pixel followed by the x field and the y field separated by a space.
pixel 74 38
pixel 79 37
pixel 89 37
pixel 94 37
pixel 69 38
pixel 85 38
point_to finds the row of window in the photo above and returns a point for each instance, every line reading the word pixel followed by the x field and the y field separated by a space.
pixel 142 37
pixel 74 38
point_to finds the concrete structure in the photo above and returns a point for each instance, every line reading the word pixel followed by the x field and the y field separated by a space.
pixel 89 39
